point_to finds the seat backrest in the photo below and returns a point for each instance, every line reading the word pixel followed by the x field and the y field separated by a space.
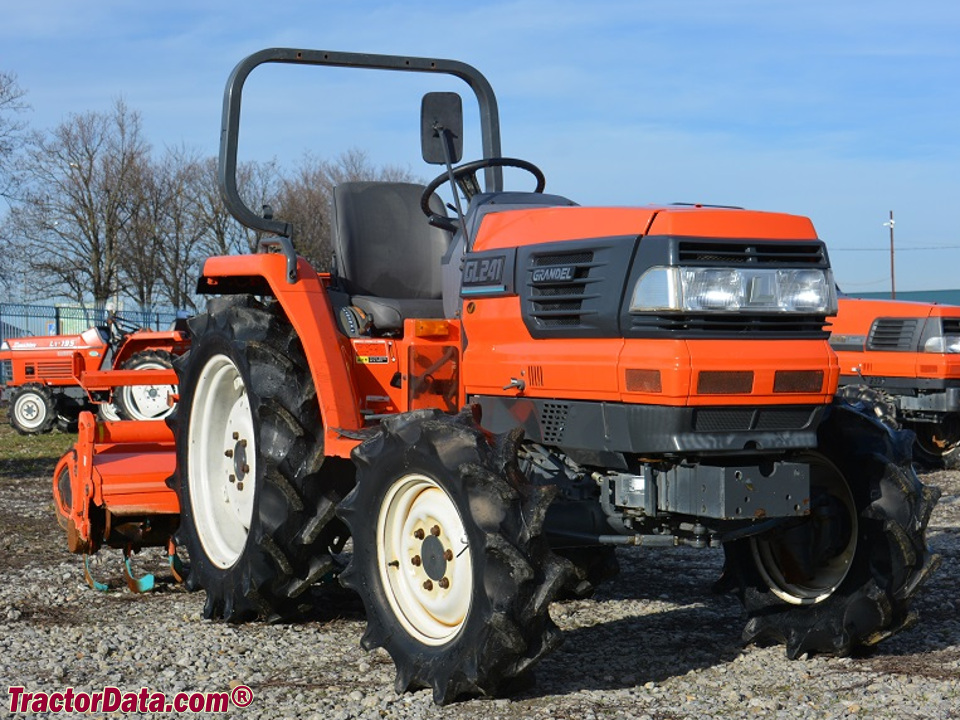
pixel 383 243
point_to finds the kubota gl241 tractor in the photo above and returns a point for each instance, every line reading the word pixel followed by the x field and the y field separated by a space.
pixel 488 404
pixel 905 358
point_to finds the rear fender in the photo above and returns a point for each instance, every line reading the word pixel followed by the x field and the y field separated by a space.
pixel 308 308
pixel 174 341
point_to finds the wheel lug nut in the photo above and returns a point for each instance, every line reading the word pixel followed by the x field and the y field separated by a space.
pixel 240 485
pixel 435 531
pixel 417 562
pixel 444 583
pixel 428 585
pixel 236 435
pixel 245 468
pixel 233 478
pixel 418 534
pixel 243 443
pixel 448 555
pixel 228 453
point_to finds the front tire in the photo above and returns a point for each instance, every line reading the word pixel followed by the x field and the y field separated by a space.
pixel 449 557
pixel 844 577
pixel 592 567
pixel 257 497
pixel 938 443
pixel 32 410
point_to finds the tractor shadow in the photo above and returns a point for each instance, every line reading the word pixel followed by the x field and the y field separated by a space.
pixel 634 651
pixel 659 618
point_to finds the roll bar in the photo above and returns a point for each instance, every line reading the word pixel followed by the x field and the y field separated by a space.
pixel 230 129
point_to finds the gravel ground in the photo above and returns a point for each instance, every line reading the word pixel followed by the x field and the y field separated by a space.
pixel 654 644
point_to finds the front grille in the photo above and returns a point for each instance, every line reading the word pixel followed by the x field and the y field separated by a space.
pixel 746 253
pixel 560 303
pixel 553 421
pixel 562 258
pixel 894 335
pixel 55 370
pixel 728 325
pixel 783 419
pixel 702 252
pixel 722 420
pixel 951 326
pixel 742 419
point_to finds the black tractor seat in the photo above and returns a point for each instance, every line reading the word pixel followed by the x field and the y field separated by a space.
pixel 387 254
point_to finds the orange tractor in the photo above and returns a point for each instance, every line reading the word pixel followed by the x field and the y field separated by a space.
pixel 488 404
pixel 905 358
pixel 45 389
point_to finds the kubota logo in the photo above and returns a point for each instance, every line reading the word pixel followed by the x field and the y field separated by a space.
pixel 567 273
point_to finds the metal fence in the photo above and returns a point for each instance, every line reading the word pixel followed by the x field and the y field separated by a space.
pixel 21 320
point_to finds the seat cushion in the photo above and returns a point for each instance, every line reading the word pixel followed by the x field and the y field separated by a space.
pixel 389 313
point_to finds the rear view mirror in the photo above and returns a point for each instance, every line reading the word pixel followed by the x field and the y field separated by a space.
pixel 441 123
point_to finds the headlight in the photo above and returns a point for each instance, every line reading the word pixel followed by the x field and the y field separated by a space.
pixel 679 289
pixel 942 344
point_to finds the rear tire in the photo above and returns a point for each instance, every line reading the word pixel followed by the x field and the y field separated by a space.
pixel 257 497
pixel 449 556
pixel 843 578
pixel 32 410
pixel 146 402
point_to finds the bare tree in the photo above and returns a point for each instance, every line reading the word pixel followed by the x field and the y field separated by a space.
pixel 139 252
pixel 258 184
pixel 12 127
pixel 12 135
pixel 79 197
pixel 183 228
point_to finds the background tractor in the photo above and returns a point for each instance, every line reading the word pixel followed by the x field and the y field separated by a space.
pixel 488 404
pixel 45 386
pixel 904 358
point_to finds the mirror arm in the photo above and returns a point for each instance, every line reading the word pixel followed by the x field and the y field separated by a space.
pixel 445 136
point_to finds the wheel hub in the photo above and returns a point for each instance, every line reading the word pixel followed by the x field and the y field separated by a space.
pixel 29 410
pixel 239 455
pixel 432 554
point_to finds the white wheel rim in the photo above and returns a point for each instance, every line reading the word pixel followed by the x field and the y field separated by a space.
pixel 148 402
pixel 30 410
pixel 221 465
pixel 108 411
pixel 424 559
pixel 829 575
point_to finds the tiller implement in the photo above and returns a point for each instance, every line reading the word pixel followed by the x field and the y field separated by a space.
pixel 110 489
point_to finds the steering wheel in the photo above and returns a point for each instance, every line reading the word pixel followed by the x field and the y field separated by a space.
pixel 466 178
pixel 119 328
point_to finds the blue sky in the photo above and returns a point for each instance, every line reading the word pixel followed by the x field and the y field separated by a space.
pixel 841 111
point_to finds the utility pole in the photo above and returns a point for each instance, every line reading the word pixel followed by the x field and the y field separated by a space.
pixel 893 282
